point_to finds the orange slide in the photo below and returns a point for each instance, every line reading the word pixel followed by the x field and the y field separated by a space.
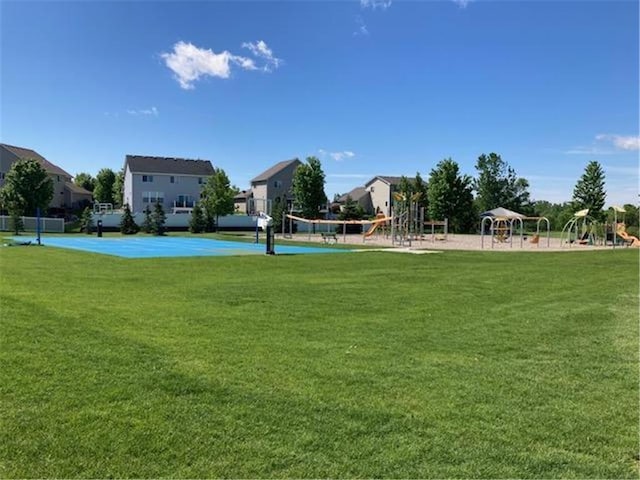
pixel 622 233
pixel 380 219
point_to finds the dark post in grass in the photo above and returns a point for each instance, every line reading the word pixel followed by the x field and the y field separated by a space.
pixel 38 230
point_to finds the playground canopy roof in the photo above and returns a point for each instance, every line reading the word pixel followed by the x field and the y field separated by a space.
pixel 502 213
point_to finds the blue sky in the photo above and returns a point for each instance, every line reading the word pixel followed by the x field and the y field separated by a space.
pixel 371 87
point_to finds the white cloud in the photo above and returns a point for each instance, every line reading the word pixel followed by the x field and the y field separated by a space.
pixel 621 141
pixel 261 50
pixel 153 111
pixel 361 27
pixel 189 63
pixel 376 4
pixel 338 156
pixel 588 151
pixel 462 3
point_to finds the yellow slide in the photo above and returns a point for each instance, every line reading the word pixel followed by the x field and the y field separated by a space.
pixel 622 233
pixel 380 219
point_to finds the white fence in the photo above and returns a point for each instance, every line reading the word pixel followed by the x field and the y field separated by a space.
pixel 177 220
pixel 49 225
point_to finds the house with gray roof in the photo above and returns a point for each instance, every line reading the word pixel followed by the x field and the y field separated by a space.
pixel 273 185
pixel 175 183
pixel 361 196
pixel 65 193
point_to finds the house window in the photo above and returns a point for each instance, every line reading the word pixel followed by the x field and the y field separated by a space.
pixel 277 184
pixel 147 178
pixel 172 179
pixel 58 176
pixel 152 197
pixel 372 189
pixel 1 175
pixel 184 201
pixel 200 182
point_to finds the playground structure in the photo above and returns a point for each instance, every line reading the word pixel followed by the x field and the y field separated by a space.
pixel 583 229
pixel 505 226
pixel 408 222
pixel 629 239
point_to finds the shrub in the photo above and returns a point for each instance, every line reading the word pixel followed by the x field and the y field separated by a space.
pixel 86 221
pixel 146 223
pixel 128 225
pixel 158 219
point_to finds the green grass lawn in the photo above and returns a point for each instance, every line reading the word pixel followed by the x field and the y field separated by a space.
pixel 458 364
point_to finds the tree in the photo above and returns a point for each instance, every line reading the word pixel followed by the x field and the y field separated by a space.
pixel 308 188
pixel 103 191
pixel 420 186
pixel 86 221
pixel 27 187
pixel 118 188
pixel 85 180
pixel 17 224
pixel 498 185
pixel 197 223
pixel 146 226
pixel 589 192
pixel 158 219
pixel 217 196
pixel 450 196
pixel 351 210
pixel 128 225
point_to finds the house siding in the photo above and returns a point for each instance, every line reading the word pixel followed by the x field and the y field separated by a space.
pixel 276 186
pixel 135 189
pixel 380 196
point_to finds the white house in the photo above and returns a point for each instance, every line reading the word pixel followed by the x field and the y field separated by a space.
pixel 176 183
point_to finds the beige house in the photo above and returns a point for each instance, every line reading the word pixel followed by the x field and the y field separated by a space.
pixel 273 185
pixel 65 193
pixel 381 189
pixel 361 196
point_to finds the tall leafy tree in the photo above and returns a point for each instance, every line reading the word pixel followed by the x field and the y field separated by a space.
pixel 450 196
pixel 589 192
pixel 118 188
pixel 421 187
pixel 85 180
pixel 497 185
pixel 308 188
pixel 103 191
pixel 217 195
pixel 27 187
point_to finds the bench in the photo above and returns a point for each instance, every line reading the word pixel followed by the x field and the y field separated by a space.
pixel 328 237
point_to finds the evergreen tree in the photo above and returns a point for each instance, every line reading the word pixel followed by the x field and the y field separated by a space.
pixel 308 188
pixel 450 196
pixel 86 221
pixel 16 221
pixel 351 210
pixel 128 225
pixel 147 222
pixel 198 222
pixel 158 219
pixel 589 192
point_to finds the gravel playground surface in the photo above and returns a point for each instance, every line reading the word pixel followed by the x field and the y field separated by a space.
pixel 452 242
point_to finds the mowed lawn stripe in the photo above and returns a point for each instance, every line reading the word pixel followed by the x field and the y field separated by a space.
pixel 463 364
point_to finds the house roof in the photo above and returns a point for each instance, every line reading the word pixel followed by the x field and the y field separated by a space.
pixel 169 165
pixel 277 168
pixel 243 195
pixel 501 212
pixel 389 180
pixel 26 153
pixel 355 194
pixel 77 189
